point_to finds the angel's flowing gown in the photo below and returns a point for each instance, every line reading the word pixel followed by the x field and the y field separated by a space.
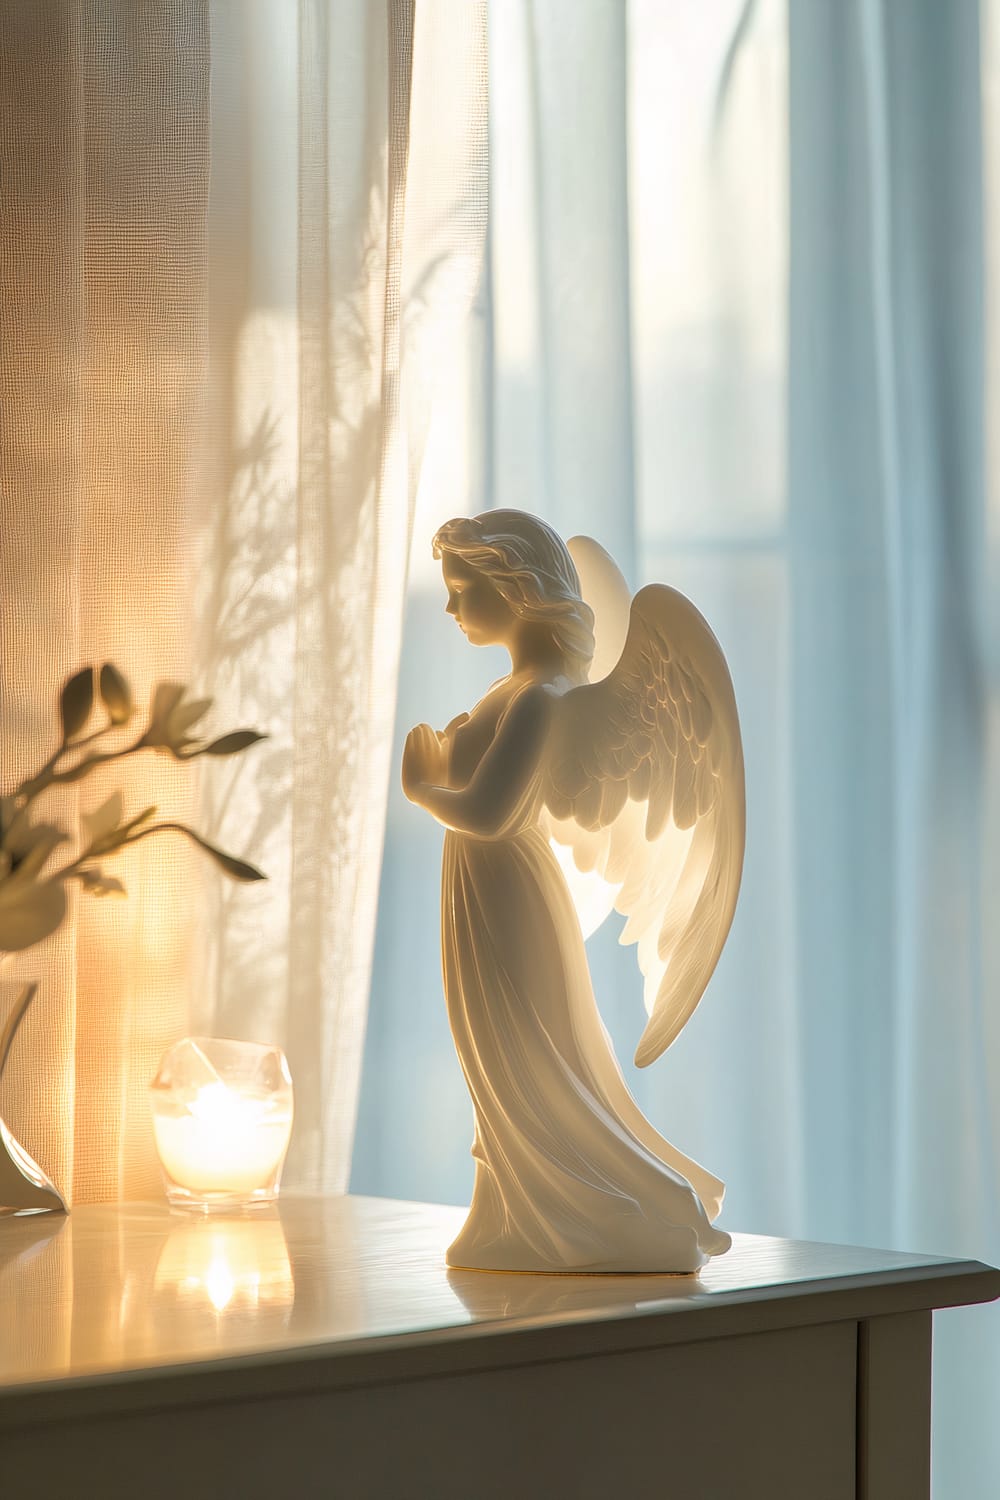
pixel 569 1175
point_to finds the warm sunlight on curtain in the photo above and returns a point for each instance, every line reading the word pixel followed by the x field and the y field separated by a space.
pixel 345 245
pixel 238 240
pixel 105 132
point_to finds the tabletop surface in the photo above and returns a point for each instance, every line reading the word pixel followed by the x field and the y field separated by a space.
pixel 112 1290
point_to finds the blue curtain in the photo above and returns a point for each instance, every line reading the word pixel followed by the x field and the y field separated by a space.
pixel 892 765
pixel 734 324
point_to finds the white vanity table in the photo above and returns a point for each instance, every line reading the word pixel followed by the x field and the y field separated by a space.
pixel 325 1350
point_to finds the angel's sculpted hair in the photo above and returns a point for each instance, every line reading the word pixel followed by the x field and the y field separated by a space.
pixel 530 567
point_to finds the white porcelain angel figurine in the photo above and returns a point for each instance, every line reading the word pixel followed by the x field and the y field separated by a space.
pixel 615 734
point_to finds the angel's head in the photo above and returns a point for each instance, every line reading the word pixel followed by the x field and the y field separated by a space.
pixel 507 574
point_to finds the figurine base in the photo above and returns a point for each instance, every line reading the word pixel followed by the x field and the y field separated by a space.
pixel 597 1275
pixel 675 1251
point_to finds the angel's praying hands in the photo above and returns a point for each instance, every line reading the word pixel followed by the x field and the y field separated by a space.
pixel 626 749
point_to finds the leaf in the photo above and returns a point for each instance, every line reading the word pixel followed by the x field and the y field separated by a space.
pixel 104 820
pixel 96 883
pixel 237 869
pixel 29 911
pixel 232 744
pixel 30 844
pixel 116 695
pixel 170 718
pixel 166 696
pixel 183 715
pixel 76 701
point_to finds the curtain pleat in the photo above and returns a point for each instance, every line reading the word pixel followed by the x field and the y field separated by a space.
pixel 104 343
pixel 888 492
pixel 792 309
pixel 345 244
pixel 561 412
pixel 238 239
pixel 351 546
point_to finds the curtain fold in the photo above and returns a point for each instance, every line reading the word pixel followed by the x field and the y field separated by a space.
pixel 105 146
pixel 888 496
pixel 353 513
pixel 346 245
pixel 886 368
pixel 240 238
pixel 561 412
pixel 764 365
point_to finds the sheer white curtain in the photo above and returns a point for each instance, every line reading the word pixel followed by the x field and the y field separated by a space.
pixel 237 239
pixel 734 326
pixel 104 140
pixel 347 222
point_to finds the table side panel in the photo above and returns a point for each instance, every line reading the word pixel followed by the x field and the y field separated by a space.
pixel 769 1416
pixel 894 1407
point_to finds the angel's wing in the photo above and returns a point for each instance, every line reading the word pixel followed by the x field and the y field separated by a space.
pixel 645 784
pixel 604 588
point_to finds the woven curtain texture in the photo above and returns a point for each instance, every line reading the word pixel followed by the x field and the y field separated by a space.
pixel 105 137
pixel 242 239
pixel 347 224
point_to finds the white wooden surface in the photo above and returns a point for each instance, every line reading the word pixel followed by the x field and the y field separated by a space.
pixel 333 1328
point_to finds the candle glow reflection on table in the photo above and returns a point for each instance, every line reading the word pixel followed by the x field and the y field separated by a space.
pixel 239 1267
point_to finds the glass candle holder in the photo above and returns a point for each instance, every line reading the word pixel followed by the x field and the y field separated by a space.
pixel 222 1118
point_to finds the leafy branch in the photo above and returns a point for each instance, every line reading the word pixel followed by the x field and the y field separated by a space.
pixel 32 905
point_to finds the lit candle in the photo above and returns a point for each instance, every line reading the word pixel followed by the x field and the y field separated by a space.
pixel 222 1117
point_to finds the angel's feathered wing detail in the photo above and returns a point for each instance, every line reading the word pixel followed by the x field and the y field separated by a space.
pixel 645 783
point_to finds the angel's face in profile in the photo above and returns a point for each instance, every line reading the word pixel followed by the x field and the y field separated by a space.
pixel 478 607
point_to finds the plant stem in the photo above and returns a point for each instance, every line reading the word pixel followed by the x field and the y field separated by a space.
pixel 97 851
pixel 14 1020
pixel 144 833
pixel 78 772
pixel 48 775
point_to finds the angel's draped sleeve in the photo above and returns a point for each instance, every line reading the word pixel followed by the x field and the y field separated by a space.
pixel 502 791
